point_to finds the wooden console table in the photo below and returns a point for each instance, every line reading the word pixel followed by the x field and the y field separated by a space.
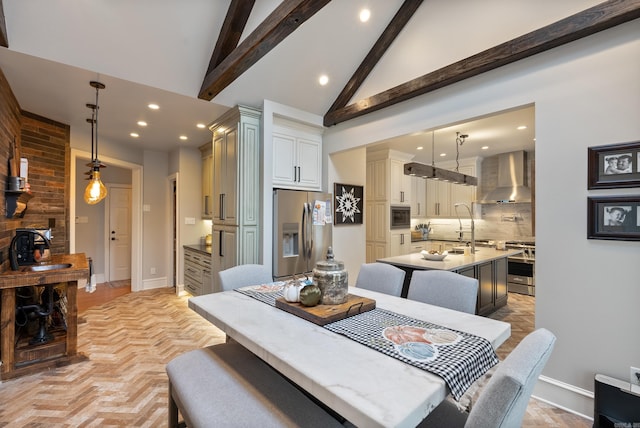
pixel 21 358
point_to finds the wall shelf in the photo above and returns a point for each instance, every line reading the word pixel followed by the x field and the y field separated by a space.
pixel 16 203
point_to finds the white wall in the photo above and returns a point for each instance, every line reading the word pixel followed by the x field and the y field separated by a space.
pixel 349 167
pixel 154 196
pixel 586 93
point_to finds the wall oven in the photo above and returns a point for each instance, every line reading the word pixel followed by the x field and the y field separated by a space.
pixel 400 217
pixel 522 269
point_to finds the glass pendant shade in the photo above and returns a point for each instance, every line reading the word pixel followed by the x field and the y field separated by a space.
pixel 95 191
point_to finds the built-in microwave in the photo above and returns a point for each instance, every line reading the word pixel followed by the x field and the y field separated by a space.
pixel 400 217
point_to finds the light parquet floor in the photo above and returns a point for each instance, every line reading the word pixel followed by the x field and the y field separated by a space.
pixel 131 338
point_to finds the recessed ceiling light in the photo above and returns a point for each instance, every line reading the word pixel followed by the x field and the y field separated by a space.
pixel 201 125
pixel 521 127
pixel 484 147
pixel 442 155
pixel 154 106
pixel 134 134
pixel 323 79
pixel 419 148
pixel 365 14
pixel 142 123
pixel 183 137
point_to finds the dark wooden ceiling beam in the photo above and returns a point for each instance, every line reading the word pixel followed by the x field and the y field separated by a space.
pixel 590 21
pixel 4 40
pixel 231 31
pixel 284 20
pixel 390 33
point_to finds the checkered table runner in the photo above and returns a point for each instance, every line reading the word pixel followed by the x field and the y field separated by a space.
pixel 459 358
pixel 266 293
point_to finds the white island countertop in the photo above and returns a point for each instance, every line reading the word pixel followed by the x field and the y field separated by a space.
pixel 452 262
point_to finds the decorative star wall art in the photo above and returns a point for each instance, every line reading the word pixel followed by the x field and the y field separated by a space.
pixel 348 203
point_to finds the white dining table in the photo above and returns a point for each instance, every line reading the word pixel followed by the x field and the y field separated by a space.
pixel 363 385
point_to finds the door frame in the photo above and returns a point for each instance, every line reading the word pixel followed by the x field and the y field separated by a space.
pixel 173 213
pixel 136 211
pixel 107 237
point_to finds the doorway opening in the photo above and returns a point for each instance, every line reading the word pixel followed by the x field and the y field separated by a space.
pixel 96 221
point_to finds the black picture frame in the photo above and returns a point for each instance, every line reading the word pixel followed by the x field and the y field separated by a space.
pixel 614 218
pixel 348 203
pixel 605 171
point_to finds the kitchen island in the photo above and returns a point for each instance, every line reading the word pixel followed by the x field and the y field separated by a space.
pixel 487 265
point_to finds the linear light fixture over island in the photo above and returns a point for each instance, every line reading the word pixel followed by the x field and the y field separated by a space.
pixel 435 173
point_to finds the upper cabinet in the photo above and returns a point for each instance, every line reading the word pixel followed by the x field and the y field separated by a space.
pixel 207 180
pixel 418 197
pixel 297 156
pixel 400 183
pixel 442 196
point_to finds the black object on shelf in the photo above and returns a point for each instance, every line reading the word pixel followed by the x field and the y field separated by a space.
pixel 615 405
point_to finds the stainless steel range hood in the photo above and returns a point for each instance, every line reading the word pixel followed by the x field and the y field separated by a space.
pixel 512 180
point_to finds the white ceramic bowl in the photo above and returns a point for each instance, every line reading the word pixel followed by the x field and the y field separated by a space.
pixel 433 257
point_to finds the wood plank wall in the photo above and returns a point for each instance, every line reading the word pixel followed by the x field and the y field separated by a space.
pixel 46 144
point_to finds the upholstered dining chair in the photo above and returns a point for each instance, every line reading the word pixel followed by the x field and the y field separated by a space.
pixel 443 288
pixel 503 402
pixel 241 275
pixel 381 277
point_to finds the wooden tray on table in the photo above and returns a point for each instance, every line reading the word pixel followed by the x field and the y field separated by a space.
pixel 325 314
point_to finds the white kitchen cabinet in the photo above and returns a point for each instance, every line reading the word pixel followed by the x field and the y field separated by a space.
pixel 236 189
pixel 376 215
pixel 399 184
pixel 400 242
pixel 376 180
pixel 417 246
pixel 463 194
pixel 438 198
pixel 418 197
pixel 442 196
pixel 207 180
pixel 297 156
pixel 386 185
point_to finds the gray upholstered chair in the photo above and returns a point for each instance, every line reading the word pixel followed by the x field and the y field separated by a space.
pixel 504 400
pixel 443 288
pixel 241 275
pixel 381 277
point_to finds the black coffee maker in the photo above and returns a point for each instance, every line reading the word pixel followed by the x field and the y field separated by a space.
pixel 28 247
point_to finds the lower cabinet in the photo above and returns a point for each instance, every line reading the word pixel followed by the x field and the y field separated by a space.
pixel 197 272
pixel 492 284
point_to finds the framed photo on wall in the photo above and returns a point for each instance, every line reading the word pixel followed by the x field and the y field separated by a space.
pixel 614 217
pixel 614 166
pixel 348 202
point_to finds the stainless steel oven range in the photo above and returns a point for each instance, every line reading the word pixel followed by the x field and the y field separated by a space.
pixel 522 268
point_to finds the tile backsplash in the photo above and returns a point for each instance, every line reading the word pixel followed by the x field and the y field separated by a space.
pixel 503 222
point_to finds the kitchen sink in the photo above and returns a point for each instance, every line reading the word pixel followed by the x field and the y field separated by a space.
pixel 39 268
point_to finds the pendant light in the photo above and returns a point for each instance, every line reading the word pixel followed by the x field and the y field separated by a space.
pixel 431 172
pixel 95 191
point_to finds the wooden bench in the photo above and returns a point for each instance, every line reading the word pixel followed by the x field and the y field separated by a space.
pixel 226 385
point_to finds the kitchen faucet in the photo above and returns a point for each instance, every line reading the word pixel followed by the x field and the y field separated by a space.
pixel 473 226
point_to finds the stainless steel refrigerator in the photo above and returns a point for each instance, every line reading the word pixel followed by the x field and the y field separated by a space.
pixel 302 223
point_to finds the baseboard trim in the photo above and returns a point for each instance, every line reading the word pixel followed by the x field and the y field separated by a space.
pixel 148 284
pixel 564 396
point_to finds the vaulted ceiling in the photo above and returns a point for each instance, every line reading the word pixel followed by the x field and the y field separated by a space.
pixel 199 58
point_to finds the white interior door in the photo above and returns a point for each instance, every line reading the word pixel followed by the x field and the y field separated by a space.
pixel 119 233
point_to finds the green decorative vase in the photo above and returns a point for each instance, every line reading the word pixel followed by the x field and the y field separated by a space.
pixel 310 295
